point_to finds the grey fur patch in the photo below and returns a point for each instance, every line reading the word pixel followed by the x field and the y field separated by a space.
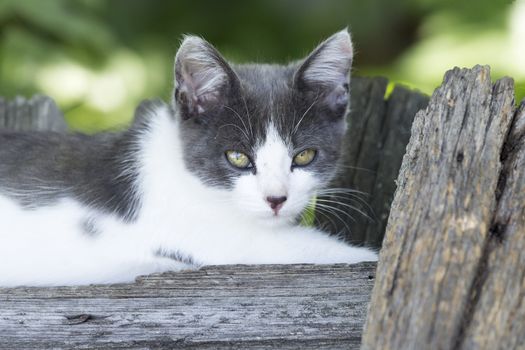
pixel 100 171
pixel 89 227
pixel 177 256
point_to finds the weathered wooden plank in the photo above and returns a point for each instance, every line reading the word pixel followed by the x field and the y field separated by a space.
pixel 238 307
pixel 38 113
pixel 379 130
pixel 434 254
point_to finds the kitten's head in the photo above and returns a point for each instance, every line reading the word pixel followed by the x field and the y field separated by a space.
pixel 270 134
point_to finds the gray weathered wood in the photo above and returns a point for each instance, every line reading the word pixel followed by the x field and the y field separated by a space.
pixel 379 130
pixel 238 307
pixel 38 113
pixel 497 317
pixel 452 268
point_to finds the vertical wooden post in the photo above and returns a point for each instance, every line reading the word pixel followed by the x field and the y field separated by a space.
pixel 38 113
pixel 451 273
pixel 379 129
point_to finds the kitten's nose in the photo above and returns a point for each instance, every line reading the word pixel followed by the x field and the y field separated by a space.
pixel 276 203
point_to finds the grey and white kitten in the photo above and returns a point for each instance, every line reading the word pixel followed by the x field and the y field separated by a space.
pixel 219 177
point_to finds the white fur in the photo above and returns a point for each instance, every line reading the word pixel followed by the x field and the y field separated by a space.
pixel 275 178
pixel 47 246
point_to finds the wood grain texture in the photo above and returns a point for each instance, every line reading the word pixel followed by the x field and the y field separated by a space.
pixel 379 130
pixel 37 113
pixel 451 271
pixel 498 314
pixel 235 307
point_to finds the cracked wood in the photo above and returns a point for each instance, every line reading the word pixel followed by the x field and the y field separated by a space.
pixel 452 268
pixel 234 307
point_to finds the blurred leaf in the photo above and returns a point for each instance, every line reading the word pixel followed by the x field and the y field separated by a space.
pixel 59 20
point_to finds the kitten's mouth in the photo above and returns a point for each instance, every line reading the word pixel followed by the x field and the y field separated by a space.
pixel 277 216
pixel 282 216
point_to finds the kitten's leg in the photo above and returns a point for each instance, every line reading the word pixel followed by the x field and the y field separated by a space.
pixel 290 245
pixel 301 244
pixel 165 264
pixel 127 272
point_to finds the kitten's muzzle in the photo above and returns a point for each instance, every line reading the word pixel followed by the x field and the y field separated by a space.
pixel 276 203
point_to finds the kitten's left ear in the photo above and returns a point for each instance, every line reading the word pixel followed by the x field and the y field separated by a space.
pixel 203 79
pixel 326 71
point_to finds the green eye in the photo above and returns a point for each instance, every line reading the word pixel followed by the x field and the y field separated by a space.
pixel 304 157
pixel 238 159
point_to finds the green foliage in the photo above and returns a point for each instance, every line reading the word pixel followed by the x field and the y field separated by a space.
pixel 308 215
pixel 99 58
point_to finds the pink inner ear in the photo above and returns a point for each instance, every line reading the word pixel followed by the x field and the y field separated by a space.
pixel 194 104
pixel 201 84
pixel 337 98
pixel 201 76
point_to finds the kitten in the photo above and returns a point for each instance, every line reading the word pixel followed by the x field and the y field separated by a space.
pixel 219 177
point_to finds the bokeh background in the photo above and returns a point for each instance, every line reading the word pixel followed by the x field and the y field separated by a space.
pixel 99 58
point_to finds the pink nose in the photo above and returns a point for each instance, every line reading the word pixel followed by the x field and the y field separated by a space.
pixel 276 203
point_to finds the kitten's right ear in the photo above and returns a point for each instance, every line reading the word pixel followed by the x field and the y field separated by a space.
pixel 326 71
pixel 203 79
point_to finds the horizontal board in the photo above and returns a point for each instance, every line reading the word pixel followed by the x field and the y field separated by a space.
pixel 244 307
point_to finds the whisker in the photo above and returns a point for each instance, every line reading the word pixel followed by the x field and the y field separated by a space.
pixel 238 127
pixel 341 190
pixel 248 114
pixel 346 205
pixel 355 168
pixel 328 210
pixel 304 115
pixel 327 217
pixel 325 206
pixel 240 118
pixel 347 196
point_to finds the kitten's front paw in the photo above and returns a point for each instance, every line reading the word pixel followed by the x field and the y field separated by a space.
pixel 355 255
pixel 348 255
pixel 319 247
